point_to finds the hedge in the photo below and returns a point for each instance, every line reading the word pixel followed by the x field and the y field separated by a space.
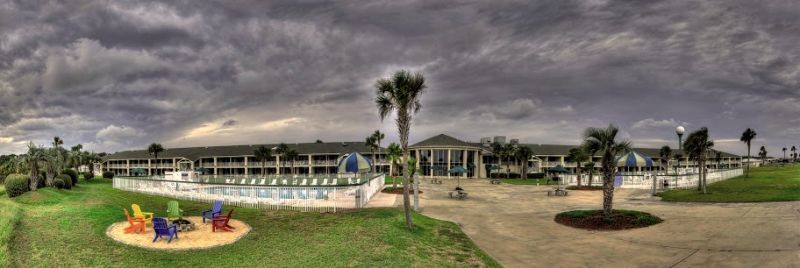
pixel 108 175
pixel 73 175
pixel 88 176
pixel 67 180
pixel 17 184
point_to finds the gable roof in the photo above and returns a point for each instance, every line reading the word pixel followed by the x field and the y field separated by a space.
pixel 443 140
pixel 195 153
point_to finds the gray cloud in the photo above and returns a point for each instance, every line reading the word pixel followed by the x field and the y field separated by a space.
pixel 188 73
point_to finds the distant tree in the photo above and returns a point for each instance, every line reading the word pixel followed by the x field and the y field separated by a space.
pixel 154 149
pixel 747 136
pixel 578 155
pixel 34 158
pixel 378 136
pixel 394 153
pixel 718 157
pixel 523 154
pixel 604 141
pixel 262 154
pixel 291 155
pixel 590 167
pixel 784 153
pixel 666 154
pixel 697 145
pixel 319 141
pixel 794 153
pixel 372 143
pixel 499 152
pixel 763 154
pixel 281 152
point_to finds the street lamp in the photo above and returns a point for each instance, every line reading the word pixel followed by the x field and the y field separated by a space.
pixel 679 130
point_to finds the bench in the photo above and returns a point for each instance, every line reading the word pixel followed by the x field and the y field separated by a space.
pixel 459 194
pixel 436 181
pixel 557 192
pixel 495 181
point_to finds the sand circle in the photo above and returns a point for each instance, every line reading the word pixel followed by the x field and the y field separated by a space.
pixel 201 237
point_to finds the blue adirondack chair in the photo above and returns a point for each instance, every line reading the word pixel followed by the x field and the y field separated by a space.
pixel 163 229
pixel 214 212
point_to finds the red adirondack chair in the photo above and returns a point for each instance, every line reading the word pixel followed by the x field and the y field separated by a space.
pixel 135 224
pixel 221 222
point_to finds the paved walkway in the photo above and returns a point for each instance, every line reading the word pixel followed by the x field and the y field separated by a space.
pixel 514 224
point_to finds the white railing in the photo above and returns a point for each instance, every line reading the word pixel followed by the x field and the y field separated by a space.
pixel 644 180
pixel 257 193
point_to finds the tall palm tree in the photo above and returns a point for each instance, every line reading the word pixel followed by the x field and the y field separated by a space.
pixel 590 167
pixel 784 153
pixel 76 156
pixel 394 153
pixel 763 154
pixel 510 150
pixel 697 145
pixel 499 152
pixel 155 149
pixel 372 144
pixel 524 154
pixel 262 154
pixel 604 141
pixel 747 136
pixel 281 152
pixel 401 93
pixel 578 155
pixel 718 157
pixel 794 153
pixel 378 136
pixel 291 155
pixel 34 159
pixel 666 154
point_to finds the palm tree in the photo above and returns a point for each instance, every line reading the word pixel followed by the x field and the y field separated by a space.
pixel 590 167
pixel 604 141
pixel 763 154
pixel 90 158
pixel 155 149
pixel 378 136
pixel 510 150
pixel 784 153
pixel 281 152
pixel 524 154
pixel 499 152
pixel 718 157
pixel 262 154
pixel 371 143
pixel 401 93
pixel 747 136
pixel 393 152
pixel 794 153
pixel 291 155
pixel 76 156
pixel 665 153
pixel 34 158
pixel 578 155
pixel 697 146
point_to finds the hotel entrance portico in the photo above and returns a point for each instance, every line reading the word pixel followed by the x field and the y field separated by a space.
pixel 437 155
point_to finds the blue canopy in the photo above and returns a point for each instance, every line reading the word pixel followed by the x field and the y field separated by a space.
pixel 634 159
pixel 354 163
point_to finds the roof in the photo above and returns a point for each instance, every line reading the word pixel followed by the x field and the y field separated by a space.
pixel 443 140
pixel 195 153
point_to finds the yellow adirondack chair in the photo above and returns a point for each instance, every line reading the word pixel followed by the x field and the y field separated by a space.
pixel 137 213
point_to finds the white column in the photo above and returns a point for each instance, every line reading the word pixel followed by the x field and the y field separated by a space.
pixel 310 164
pixel 216 173
pixel 246 167
pixel 447 169
pixel 464 162
pixel 277 164
pixel 128 167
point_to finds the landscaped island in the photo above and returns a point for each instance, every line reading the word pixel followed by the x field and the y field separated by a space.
pixel 67 229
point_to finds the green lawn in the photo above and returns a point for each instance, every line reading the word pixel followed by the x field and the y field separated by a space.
pixel 67 229
pixel 765 184
pixel 9 216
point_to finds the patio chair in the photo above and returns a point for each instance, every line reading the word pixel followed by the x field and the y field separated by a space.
pixel 314 181
pixel 215 211
pixel 161 228
pixel 252 181
pixel 173 210
pixel 274 182
pixel 305 181
pixel 146 216
pixel 350 181
pixel 134 224
pixel 325 181
pixel 335 182
pixel 263 181
pixel 221 223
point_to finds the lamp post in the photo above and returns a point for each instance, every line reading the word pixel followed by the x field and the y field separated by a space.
pixel 679 130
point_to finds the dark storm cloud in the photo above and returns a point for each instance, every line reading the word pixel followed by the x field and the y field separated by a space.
pixel 121 74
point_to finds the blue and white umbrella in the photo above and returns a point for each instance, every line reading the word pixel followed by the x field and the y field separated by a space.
pixel 634 159
pixel 354 163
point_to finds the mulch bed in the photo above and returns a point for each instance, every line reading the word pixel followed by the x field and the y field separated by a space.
pixel 397 190
pixel 593 220
pixel 585 188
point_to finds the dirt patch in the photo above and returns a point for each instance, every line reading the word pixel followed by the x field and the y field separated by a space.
pixel 397 190
pixel 200 238
pixel 619 220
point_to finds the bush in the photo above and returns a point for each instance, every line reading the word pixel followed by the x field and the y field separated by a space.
pixel 2 178
pixel 73 175
pixel 108 175
pixel 536 175
pixel 67 180
pixel 58 183
pixel 17 184
pixel 88 176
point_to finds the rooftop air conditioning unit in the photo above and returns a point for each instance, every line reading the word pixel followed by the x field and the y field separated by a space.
pixel 486 141
pixel 500 139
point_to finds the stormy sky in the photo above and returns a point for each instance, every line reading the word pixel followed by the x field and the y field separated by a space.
pixel 117 75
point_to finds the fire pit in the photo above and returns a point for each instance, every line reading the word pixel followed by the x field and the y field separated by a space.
pixel 183 225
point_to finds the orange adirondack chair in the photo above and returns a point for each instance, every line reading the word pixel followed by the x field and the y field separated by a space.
pixel 136 224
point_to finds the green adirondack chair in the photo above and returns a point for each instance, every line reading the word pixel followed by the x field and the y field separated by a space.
pixel 173 210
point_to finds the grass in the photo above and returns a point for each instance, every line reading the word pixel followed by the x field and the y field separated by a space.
pixel 9 216
pixel 765 184
pixel 67 229
pixel 543 181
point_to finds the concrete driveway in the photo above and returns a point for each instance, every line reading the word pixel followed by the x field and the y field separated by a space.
pixel 514 224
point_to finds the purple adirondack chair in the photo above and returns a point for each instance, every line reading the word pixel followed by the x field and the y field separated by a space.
pixel 214 212
pixel 163 229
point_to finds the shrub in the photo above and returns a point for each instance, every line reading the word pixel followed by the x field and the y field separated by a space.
pixel 73 175
pixel 17 184
pixel 108 175
pixel 2 178
pixel 88 176
pixel 67 180
pixel 536 175
pixel 58 183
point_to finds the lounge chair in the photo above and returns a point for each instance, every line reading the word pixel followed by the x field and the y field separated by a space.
pixel 146 216
pixel 252 181
pixel 263 181
pixel 304 182
pixel 163 229
pixel 314 181
pixel 350 181
pixel 324 181
pixel 274 182
pixel 135 224
pixel 335 182
pixel 173 210
pixel 215 211
pixel 221 223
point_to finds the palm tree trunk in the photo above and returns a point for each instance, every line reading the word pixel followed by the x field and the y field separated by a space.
pixel 404 126
pixel 608 189
pixel 747 168
pixel 578 169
